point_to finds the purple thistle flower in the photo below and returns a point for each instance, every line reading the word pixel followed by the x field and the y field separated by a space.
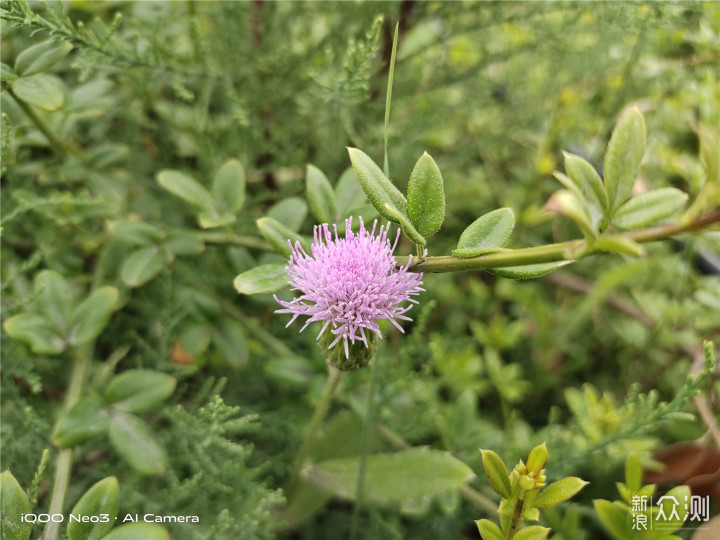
pixel 350 283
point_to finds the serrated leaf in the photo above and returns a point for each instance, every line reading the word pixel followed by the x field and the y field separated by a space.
pixel 487 234
pixel 139 390
pixel 54 299
pixel 188 189
pixel 135 531
pixel 426 196
pixel 586 183
pixel 566 203
pixel 91 316
pixel 320 195
pixel 183 243
pixel 648 208
pixel 37 331
pixel 403 475
pixel 290 212
pixel 496 472
pixel 406 225
pixel 559 491
pixel 488 530
pixel 44 91
pixel 262 279
pixel 134 441
pixel 379 190
pixel 533 532
pixel 615 518
pixel 228 187
pixel 13 504
pixel 103 498
pixel 143 265
pixel 529 271
pixel 624 154
pixel 618 244
pixel 278 236
pixel 138 233
pixel 41 57
pixel 86 420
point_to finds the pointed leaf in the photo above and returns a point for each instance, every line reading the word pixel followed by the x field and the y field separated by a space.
pixel 566 203
pixel 290 212
pixel 138 233
pixel 143 265
pixel 228 187
pixel 615 518
pixel 139 390
pixel 496 472
pixel 92 315
pixel 487 234
pixel 533 532
pixel 624 154
pixel 406 225
pixel 135 531
pixel 559 491
pixel 529 271
pixel 403 475
pixel 586 183
pixel 263 279
pixel 278 235
pixel 41 57
pixel 44 91
pixel 320 195
pixel 648 208
pixel 379 190
pixel 37 331
pixel 13 504
pixel 86 420
pixel 103 498
pixel 426 196
pixel 488 530
pixel 134 441
pixel 188 189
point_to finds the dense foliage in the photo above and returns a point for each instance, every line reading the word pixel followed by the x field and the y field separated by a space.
pixel 154 151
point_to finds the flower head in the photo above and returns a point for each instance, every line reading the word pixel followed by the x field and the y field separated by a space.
pixel 350 283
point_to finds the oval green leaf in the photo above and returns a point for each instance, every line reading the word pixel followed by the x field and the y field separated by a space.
pixel 290 212
pixel 142 266
pixel 426 196
pixel 320 195
pixel 529 271
pixel 101 500
pixel 487 234
pixel 496 472
pixel 44 91
pixel 406 225
pixel 533 532
pixel 41 57
pixel 559 491
pixel 351 199
pixel 138 233
pixel 278 236
pixel 409 474
pixel 586 183
pixel 134 441
pixel 379 190
pixel 211 220
pixel 263 279
pixel 615 518
pixel 184 243
pixel 139 390
pixel 229 338
pixel 488 530
pixel 13 504
pixel 648 208
pixel 624 154
pixel 86 420
pixel 92 315
pixel 566 203
pixel 7 74
pixel 37 331
pixel 228 186
pixel 135 531
pixel 54 299
pixel 188 189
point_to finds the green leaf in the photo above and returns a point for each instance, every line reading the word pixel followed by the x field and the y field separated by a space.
pixel 533 532
pixel 379 190
pixel 537 458
pixel 228 186
pixel 290 212
pixel 138 233
pixel 7 74
pixel 320 195
pixel 13 503
pixel 263 279
pixel 676 499
pixel 211 220
pixel 54 299
pixel 529 271
pixel 406 225
pixel 496 472
pixel 615 518
pixel 133 440
pixel 230 340
pixel 188 189
pixel 408 474
pixel 44 91
pixel 559 491
pixel 92 315
pixel 135 531
pixel 184 243
pixel 633 473
pixel 86 420
pixel 143 265
pixel 37 331
pixel 426 196
pixel 648 208
pixel 278 235
pixel 139 390
pixel 566 203
pixel 624 154
pixel 41 57
pixel 587 185
pixel 618 244
pixel 351 199
pixel 102 501
pixel 488 530
pixel 487 234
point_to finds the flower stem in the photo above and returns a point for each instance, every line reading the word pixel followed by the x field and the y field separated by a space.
pixel 334 376
pixel 562 251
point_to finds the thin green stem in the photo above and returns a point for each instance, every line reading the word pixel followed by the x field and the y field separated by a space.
pixel 516 519
pixel 334 376
pixel 562 251
pixel 388 99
